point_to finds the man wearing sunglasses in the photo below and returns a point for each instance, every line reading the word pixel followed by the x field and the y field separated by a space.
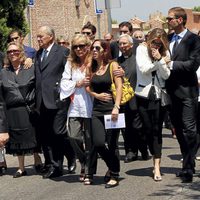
pixel 89 30
pixel 182 86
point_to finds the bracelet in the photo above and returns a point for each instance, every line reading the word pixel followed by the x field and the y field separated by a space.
pixel 116 106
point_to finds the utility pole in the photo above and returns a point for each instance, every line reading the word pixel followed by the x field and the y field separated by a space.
pixel 108 9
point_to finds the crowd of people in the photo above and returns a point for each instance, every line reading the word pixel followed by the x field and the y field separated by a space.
pixel 53 101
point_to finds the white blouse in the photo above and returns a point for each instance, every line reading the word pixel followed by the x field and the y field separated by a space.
pixel 81 102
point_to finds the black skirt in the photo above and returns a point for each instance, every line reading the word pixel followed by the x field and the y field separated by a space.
pixel 22 139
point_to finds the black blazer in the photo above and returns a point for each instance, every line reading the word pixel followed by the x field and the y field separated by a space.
pixel 3 119
pixel 186 60
pixel 48 74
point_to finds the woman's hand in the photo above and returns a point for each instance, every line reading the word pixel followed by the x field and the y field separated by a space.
pixel 28 63
pixel 155 54
pixel 104 96
pixel 115 113
pixel 84 82
pixel 4 137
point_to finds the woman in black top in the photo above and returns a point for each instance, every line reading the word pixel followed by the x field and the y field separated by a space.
pixel 104 104
pixel 18 86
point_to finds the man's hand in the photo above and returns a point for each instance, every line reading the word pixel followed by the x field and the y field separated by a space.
pixel 28 63
pixel 4 137
pixel 119 72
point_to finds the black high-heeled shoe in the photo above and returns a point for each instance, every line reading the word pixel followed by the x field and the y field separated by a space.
pixel 19 174
pixel 114 180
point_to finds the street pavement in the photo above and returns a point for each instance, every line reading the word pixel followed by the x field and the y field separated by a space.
pixel 136 181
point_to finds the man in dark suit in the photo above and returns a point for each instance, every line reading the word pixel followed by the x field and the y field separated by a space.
pixel 49 66
pixel 182 86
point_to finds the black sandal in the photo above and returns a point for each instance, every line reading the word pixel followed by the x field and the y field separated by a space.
pixel 82 175
pixel 88 179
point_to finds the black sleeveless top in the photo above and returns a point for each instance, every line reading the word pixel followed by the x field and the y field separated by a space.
pixel 100 84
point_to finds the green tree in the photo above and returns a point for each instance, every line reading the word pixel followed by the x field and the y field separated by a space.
pixel 11 17
pixel 114 21
pixel 196 8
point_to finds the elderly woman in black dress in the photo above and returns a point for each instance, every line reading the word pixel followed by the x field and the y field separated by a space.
pixel 18 89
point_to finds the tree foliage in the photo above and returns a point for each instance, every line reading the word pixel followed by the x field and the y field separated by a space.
pixel 11 17
pixel 196 8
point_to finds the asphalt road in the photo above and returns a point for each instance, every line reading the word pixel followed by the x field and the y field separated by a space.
pixel 136 181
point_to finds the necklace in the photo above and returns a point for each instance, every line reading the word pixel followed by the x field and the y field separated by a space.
pixel 101 70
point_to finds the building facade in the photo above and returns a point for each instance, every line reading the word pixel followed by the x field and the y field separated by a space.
pixel 67 17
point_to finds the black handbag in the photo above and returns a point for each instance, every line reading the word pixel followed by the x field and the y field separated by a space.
pixel 165 98
pixel 152 92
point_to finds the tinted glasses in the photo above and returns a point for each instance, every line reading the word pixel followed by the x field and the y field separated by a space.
pixel 171 18
pixel 97 48
pixel 14 51
pixel 86 33
pixel 80 46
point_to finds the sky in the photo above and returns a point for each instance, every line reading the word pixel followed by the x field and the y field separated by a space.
pixel 142 8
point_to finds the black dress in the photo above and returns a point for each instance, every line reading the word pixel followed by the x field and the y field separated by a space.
pixel 14 89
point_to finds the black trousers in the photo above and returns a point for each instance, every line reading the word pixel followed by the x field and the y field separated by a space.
pixel 152 115
pixel 81 140
pixel 184 115
pixel 53 135
pixel 104 143
pixel 134 138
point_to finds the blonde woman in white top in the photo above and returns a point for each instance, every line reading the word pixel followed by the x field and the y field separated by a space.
pixel 73 84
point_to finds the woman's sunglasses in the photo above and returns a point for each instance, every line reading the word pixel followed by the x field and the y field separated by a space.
pixel 80 46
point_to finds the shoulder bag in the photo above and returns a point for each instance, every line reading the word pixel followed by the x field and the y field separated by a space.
pixel 127 90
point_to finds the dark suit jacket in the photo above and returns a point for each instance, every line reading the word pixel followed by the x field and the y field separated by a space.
pixel 186 60
pixel 48 74
pixel 3 119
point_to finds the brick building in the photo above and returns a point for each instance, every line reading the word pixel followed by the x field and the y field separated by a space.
pixel 65 16
pixel 193 21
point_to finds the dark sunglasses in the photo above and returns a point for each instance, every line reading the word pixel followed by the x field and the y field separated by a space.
pixel 61 42
pixel 13 51
pixel 171 18
pixel 97 48
pixel 80 46
pixel 86 33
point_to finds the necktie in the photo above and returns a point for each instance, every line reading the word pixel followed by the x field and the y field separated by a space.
pixel 44 55
pixel 176 37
